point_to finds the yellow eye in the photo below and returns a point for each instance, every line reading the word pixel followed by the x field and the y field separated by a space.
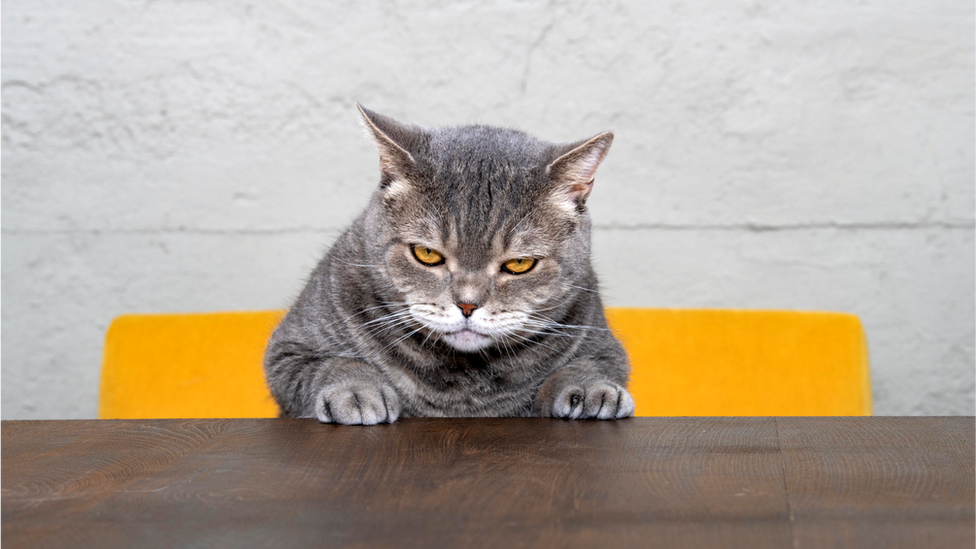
pixel 518 266
pixel 427 256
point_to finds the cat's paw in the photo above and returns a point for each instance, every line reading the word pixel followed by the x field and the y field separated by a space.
pixel 591 399
pixel 357 404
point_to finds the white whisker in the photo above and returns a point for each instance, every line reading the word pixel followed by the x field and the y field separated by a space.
pixel 359 265
pixel 524 217
pixel 582 288
pixel 567 300
pixel 382 319
pixel 576 326
pixel 529 341
pixel 548 331
pixel 404 337
pixel 429 332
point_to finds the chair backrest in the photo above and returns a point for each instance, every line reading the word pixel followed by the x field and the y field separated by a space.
pixel 187 365
pixel 689 362
pixel 684 362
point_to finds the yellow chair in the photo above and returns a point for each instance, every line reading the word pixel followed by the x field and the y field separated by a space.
pixel 684 362
pixel 688 362
pixel 187 365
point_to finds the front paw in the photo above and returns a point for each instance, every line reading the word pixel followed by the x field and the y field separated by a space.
pixel 357 404
pixel 589 399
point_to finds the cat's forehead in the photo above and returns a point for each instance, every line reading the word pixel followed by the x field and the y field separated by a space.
pixel 471 146
pixel 475 238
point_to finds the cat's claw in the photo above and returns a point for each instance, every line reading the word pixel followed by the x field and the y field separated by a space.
pixel 593 400
pixel 357 404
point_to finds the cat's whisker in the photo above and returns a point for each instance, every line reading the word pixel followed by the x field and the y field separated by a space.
pixel 582 288
pixel 541 331
pixel 359 264
pixel 510 354
pixel 389 324
pixel 346 319
pixel 488 362
pixel 583 327
pixel 391 345
pixel 524 217
pixel 512 358
pixel 504 348
pixel 538 323
pixel 395 314
pixel 558 305
pixel 385 304
pixel 577 326
pixel 525 370
pixel 376 330
pixel 385 319
pixel 548 332
pixel 380 333
pixel 429 332
pixel 528 340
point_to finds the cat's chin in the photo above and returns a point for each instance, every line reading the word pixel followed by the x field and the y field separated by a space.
pixel 467 341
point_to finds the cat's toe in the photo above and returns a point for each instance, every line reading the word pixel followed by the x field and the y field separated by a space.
pixel 391 404
pixel 601 400
pixel 625 407
pixel 322 409
pixel 607 401
pixel 568 403
pixel 357 405
pixel 601 403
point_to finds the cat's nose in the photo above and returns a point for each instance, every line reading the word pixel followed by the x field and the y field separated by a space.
pixel 467 308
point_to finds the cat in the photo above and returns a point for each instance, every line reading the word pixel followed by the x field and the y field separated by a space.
pixel 464 289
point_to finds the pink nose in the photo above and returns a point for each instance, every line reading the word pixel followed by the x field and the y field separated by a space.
pixel 467 308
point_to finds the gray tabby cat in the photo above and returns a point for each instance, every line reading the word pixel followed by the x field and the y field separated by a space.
pixel 464 289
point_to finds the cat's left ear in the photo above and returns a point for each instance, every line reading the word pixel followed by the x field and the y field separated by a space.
pixel 574 170
pixel 394 140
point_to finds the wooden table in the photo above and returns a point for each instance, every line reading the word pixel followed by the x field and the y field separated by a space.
pixel 499 483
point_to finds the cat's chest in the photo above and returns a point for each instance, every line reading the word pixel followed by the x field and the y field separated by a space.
pixel 456 390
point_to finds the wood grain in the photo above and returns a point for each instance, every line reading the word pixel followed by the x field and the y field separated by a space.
pixel 887 482
pixel 647 482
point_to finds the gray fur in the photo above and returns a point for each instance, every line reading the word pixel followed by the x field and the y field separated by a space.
pixel 375 333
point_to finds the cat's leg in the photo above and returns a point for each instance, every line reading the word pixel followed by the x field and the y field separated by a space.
pixel 332 389
pixel 582 391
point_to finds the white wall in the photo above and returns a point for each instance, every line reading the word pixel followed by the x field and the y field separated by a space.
pixel 191 156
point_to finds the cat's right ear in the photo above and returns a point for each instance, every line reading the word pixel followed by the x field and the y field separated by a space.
pixel 394 140
pixel 576 168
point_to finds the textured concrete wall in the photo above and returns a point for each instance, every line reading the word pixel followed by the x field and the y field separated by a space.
pixel 193 156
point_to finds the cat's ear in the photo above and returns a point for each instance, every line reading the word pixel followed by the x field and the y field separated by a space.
pixel 394 140
pixel 574 170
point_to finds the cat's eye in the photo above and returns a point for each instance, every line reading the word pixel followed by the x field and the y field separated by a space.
pixel 519 265
pixel 427 256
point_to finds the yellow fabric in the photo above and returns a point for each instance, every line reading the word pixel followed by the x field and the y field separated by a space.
pixel 187 365
pixel 744 363
pixel 684 362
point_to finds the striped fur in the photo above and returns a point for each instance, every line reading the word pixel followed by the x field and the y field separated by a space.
pixel 376 334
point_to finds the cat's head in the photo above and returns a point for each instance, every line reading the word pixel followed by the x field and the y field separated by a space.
pixel 481 233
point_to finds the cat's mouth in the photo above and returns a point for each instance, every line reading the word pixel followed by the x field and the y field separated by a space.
pixel 467 340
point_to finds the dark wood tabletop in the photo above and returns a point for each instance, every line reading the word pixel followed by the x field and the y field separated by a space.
pixel 500 483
